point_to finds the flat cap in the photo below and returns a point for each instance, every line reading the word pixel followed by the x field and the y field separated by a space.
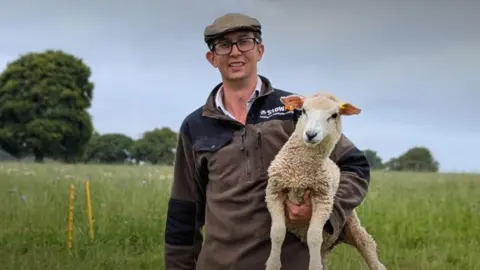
pixel 231 22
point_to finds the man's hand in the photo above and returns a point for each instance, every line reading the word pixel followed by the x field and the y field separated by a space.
pixel 299 213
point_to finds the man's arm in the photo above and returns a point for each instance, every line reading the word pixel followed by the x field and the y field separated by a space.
pixel 354 182
pixel 185 214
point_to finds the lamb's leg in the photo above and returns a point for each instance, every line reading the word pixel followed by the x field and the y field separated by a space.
pixel 357 236
pixel 275 205
pixel 320 213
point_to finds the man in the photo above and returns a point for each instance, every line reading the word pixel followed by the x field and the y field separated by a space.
pixel 222 157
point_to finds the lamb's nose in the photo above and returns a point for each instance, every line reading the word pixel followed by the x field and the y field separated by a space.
pixel 310 135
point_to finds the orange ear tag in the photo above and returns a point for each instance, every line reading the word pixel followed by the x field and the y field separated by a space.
pixel 289 107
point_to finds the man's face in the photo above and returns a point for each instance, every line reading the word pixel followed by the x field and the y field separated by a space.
pixel 236 62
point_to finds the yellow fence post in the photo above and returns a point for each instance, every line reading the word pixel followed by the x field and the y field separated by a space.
pixel 70 217
pixel 89 209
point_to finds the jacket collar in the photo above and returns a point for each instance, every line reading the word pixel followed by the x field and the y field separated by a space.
pixel 210 109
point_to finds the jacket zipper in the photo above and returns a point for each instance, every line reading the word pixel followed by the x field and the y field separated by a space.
pixel 260 147
pixel 245 151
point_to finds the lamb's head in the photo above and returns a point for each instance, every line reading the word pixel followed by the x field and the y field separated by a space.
pixel 320 120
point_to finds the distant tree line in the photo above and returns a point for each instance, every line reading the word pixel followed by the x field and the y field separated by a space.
pixel 44 102
pixel 156 147
pixel 419 159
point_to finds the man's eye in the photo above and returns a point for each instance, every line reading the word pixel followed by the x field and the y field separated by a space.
pixel 223 45
pixel 243 42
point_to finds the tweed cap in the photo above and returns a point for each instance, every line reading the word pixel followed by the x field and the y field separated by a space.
pixel 228 23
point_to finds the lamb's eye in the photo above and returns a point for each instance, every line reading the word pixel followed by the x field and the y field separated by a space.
pixel 334 116
pixel 304 112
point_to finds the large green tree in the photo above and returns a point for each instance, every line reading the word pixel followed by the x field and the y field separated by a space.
pixel 44 97
pixel 156 146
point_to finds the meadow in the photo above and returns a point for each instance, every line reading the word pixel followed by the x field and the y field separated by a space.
pixel 420 220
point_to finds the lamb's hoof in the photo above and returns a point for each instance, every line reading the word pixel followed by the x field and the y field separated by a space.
pixel 271 265
pixel 315 267
pixel 380 267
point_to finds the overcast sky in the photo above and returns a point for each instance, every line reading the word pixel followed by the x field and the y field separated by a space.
pixel 411 65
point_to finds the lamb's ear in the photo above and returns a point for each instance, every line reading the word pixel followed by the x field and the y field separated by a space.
pixel 348 109
pixel 292 102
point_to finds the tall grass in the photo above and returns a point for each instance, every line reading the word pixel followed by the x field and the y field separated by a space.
pixel 420 221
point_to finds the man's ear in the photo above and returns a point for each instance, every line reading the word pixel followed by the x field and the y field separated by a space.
pixel 292 102
pixel 348 109
pixel 211 58
pixel 261 51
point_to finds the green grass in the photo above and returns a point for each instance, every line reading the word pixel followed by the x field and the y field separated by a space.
pixel 420 221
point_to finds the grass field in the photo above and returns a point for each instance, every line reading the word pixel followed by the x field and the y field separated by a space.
pixel 420 221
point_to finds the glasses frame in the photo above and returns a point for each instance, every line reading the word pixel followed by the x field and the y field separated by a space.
pixel 255 42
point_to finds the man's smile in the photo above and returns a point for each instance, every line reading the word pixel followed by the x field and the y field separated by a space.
pixel 236 64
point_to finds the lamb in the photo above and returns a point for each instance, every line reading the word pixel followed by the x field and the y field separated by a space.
pixel 303 164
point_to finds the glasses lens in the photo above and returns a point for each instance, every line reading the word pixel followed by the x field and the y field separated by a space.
pixel 223 47
pixel 245 44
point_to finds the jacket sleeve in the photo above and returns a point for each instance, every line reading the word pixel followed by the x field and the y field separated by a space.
pixel 186 208
pixel 354 182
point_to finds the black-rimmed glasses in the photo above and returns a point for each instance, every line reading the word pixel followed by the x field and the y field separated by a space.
pixel 243 45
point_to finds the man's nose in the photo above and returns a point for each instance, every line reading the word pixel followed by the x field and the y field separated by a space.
pixel 235 50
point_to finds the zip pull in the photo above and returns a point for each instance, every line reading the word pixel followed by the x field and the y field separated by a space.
pixel 242 147
pixel 259 137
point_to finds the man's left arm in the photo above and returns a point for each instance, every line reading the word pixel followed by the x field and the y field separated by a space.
pixel 354 182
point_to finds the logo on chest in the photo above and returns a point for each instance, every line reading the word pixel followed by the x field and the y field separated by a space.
pixel 277 111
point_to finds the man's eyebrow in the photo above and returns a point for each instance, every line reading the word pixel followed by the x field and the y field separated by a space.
pixel 224 39
pixel 244 36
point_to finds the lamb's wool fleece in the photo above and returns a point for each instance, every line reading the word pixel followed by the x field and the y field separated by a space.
pixel 318 173
pixel 297 168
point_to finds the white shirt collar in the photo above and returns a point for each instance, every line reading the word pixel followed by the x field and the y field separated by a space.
pixel 255 94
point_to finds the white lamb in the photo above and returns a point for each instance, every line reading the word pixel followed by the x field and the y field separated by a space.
pixel 303 164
